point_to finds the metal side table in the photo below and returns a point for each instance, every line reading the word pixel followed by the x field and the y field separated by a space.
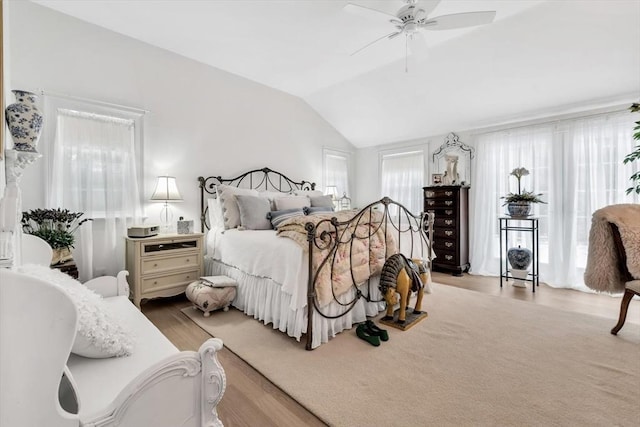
pixel 527 225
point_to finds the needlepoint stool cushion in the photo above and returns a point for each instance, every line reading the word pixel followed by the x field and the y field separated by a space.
pixel 212 294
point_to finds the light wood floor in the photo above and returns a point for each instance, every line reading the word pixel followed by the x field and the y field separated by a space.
pixel 252 400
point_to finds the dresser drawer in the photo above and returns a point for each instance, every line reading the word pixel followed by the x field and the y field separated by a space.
pixel 444 222
pixel 445 257
pixel 439 193
pixel 440 203
pixel 447 233
pixel 169 280
pixel 169 247
pixel 151 265
pixel 445 244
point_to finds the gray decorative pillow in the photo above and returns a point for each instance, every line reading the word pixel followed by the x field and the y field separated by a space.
pixel 277 217
pixel 230 211
pixel 253 212
pixel 318 209
pixel 322 202
pixel 292 202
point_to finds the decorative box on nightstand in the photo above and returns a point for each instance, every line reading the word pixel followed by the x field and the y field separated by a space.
pixel 163 265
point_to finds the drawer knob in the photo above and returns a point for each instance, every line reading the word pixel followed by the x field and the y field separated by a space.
pixel 187 260
pixel 155 265
pixel 448 202
pixel 448 244
pixel 448 193
pixel 429 193
pixel 188 277
pixel 448 221
pixel 448 212
pixel 449 257
pixel 155 282
pixel 430 202
pixel 448 232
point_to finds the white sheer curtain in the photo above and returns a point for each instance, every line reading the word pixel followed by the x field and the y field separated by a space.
pixel 402 179
pixel 94 170
pixel 576 164
pixel 336 171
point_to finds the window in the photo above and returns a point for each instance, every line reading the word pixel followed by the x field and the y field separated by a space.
pixel 402 175
pixel 94 168
pixel 336 171
pixel 576 164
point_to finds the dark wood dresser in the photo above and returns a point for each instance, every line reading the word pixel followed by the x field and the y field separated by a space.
pixel 451 228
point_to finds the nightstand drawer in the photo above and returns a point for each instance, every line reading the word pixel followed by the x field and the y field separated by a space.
pixel 170 280
pixel 158 265
pixel 169 247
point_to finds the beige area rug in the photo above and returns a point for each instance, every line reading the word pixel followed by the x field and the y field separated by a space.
pixel 476 360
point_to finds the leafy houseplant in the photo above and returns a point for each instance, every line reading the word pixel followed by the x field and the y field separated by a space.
pixel 519 204
pixel 56 227
pixel 635 154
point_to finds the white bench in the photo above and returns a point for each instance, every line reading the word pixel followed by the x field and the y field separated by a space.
pixel 156 385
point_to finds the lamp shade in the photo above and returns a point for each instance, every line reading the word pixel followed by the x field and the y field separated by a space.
pixel 166 189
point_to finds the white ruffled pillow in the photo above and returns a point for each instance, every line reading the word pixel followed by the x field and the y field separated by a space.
pixel 99 333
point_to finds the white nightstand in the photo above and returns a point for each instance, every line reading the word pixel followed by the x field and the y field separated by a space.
pixel 163 265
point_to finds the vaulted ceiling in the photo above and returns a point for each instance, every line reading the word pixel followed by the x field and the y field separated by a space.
pixel 537 57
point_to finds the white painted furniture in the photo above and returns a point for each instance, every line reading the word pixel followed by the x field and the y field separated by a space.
pixel 35 250
pixel 156 386
pixel 163 265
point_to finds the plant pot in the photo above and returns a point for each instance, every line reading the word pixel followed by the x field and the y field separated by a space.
pixel 517 209
pixel 61 255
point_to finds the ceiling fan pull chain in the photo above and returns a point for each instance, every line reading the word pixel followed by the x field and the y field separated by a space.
pixel 406 54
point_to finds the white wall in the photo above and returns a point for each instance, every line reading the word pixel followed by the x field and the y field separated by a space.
pixel 202 120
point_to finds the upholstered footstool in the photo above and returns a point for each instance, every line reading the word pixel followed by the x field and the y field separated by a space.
pixel 212 293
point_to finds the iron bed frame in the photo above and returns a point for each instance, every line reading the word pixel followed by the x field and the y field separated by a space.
pixel 328 234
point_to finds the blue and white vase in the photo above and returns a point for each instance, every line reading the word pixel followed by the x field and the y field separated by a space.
pixel 519 258
pixel 24 121
pixel 519 209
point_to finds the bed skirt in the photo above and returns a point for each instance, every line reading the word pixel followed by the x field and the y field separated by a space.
pixel 263 299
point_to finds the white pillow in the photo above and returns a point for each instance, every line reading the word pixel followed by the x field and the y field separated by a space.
pixel 216 220
pixel 308 193
pixel 292 202
pixel 99 333
pixel 230 212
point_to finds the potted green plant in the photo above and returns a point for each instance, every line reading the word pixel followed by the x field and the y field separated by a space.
pixel 635 154
pixel 56 227
pixel 519 204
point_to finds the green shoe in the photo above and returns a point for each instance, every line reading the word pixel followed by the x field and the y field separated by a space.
pixel 361 332
pixel 373 329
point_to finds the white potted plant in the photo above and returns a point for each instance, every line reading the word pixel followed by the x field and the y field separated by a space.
pixel 519 204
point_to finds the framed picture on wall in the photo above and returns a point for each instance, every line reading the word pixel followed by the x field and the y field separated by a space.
pixel 436 178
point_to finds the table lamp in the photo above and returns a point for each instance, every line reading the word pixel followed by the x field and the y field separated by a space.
pixel 166 191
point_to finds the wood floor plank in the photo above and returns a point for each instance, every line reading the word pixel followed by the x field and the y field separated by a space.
pixel 253 400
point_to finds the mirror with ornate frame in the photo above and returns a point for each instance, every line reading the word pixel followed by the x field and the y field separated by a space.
pixel 452 162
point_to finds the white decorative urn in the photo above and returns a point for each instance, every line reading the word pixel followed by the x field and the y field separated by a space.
pixel 24 121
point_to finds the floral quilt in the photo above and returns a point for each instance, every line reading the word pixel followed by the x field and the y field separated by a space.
pixel 336 268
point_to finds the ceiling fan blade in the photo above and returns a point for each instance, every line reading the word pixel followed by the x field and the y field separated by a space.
pixel 367 12
pixel 428 6
pixel 390 36
pixel 458 20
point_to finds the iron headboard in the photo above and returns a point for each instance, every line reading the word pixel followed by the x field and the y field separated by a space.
pixel 265 179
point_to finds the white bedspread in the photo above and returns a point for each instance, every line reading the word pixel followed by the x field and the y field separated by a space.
pixel 261 253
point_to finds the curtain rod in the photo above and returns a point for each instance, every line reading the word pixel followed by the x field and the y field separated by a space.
pixel 555 120
pixel 92 101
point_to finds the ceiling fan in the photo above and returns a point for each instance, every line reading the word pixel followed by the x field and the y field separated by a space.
pixel 412 18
